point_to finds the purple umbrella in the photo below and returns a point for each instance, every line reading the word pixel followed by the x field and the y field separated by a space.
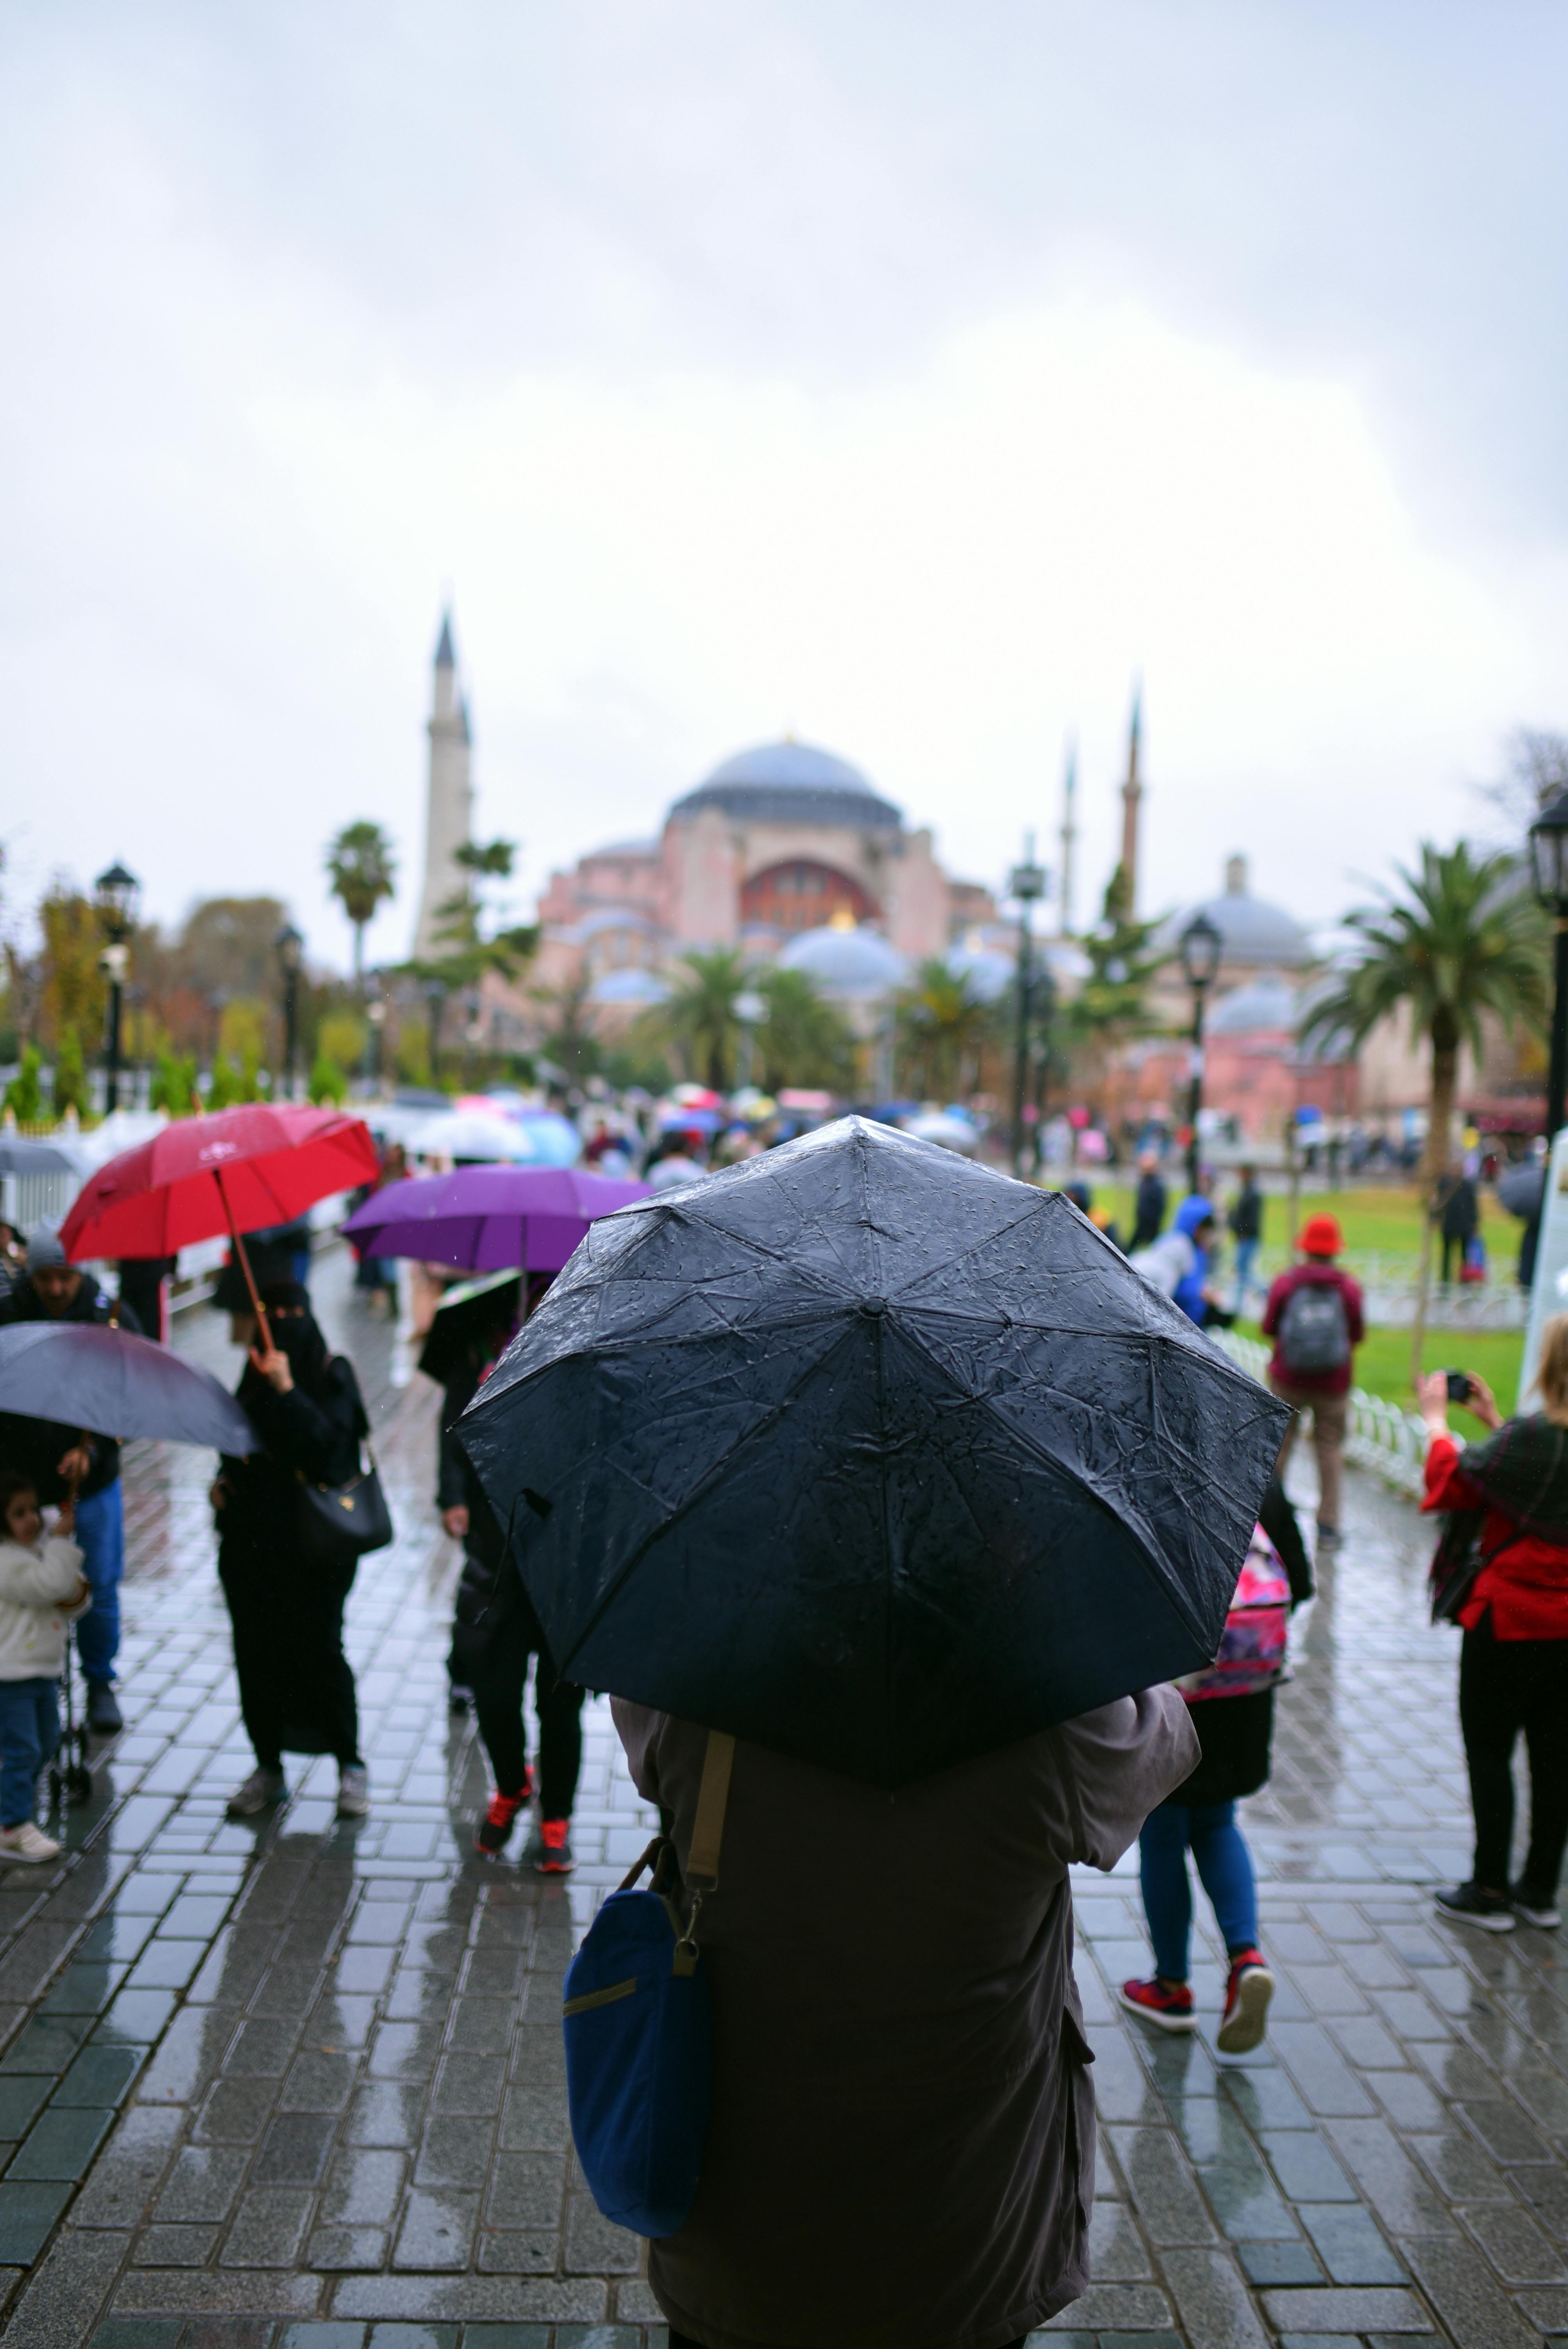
pixel 489 1218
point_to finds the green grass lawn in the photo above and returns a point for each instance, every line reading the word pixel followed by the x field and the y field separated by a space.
pixel 1387 1221
pixel 1383 1363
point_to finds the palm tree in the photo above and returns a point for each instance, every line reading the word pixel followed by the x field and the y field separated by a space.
pixel 700 1018
pixel 363 866
pixel 1465 937
pixel 805 1039
pixel 942 1028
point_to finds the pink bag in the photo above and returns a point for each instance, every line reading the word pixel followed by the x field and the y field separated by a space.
pixel 1252 1645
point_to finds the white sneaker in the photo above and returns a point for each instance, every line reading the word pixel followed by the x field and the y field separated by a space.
pixel 256 1792
pixel 27 1843
pixel 353 1791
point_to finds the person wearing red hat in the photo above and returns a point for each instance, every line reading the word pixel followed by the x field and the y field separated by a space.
pixel 1314 1316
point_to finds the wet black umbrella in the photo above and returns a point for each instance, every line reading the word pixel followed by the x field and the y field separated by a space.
pixel 872 1456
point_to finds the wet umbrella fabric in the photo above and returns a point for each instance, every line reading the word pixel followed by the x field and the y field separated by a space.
pixel 489 1218
pixel 871 1456
pixel 88 1375
pixel 244 1169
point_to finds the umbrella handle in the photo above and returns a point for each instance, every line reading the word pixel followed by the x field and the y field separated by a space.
pixel 258 1310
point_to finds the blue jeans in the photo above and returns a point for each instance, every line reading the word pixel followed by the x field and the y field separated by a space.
pixel 100 1537
pixel 1225 1863
pixel 30 1732
pixel 1246 1257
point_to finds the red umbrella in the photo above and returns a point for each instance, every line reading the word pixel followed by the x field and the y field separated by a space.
pixel 238 1170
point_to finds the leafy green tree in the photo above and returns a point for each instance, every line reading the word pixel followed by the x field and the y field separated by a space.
pixel 225 1085
pixel 700 1021
pixel 1460 937
pixel 74 987
pixel 70 1073
pixel 567 1038
pixel 341 1036
pixel 362 867
pixel 941 1028
pixel 25 1093
pixel 1112 1006
pixel 471 947
pixel 805 1039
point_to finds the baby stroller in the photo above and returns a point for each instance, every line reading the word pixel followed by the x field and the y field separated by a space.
pixel 70 1780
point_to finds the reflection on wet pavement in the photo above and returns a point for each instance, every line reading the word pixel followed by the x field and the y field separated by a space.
pixel 300 2082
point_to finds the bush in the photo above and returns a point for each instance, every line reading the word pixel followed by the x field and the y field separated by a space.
pixel 327 1082
pixel 224 1086
pixel 341 1040
pixel 25 1093
pixel 411 1056
pixel 174 1087
pixel 70 1075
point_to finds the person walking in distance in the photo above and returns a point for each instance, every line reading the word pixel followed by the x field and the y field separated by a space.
pixel 1246 1223
pixel 1314 1316
pixel 1232 1709
pixel 65 1463
pixel 1458 1213
pixel 1502 1573
pixel 285 1600
pixel 1149 1205
pixel 41 1587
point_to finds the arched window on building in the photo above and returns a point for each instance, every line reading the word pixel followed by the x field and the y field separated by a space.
pixel 801 895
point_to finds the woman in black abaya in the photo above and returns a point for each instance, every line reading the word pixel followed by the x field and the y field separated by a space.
pixel 286 1595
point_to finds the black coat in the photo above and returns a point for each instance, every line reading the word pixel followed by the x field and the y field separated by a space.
pixel 284 1603
pixel 1149 1211
pixel 1236 1732
pixel 35 1447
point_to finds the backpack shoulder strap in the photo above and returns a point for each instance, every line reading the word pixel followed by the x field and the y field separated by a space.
pixel 712 1800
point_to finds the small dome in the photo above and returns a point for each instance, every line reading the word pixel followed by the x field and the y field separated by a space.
pixel 635 987
pixel 792 782
pixel 846 961
pixel 1267 1005
pixel 1256 935
pixel 989 973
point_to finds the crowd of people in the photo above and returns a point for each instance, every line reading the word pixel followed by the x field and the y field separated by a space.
pixel 1166 1768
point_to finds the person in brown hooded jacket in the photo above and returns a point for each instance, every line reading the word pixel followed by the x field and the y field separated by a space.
pixel 901 2151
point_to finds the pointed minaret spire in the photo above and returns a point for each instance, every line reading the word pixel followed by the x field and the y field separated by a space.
pixel 448 803
pixel 1069 833
pixel 445 657
pixel 1131 796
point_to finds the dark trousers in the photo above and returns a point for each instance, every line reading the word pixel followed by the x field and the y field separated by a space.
pixel 1507 1686
pixel 1454 1244
pixel 498 1671
pixel 296 1685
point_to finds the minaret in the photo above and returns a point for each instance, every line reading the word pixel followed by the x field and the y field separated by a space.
pixel 1131 795
pixel 1069 833
pixel 450 798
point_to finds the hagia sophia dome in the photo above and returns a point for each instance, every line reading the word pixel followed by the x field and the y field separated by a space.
pixel 791 782
pixel 1256 936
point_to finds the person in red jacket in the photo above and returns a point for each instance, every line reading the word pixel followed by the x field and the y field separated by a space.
pixel 1503 1575
pixel 1314 1316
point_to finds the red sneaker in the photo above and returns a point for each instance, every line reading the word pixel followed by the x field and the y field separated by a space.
pixel 496 1826
pixel 1170 2009
pixel 1247 1995
pixel 550 1847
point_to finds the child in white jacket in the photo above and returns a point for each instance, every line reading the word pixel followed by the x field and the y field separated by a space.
pixel 41 1584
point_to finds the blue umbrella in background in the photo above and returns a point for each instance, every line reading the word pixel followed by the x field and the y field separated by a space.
pixel 86 1375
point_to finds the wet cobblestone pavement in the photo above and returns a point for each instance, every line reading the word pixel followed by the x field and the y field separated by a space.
pixel 298 2086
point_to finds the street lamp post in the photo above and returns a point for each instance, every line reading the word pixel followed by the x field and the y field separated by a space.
pixel 1201 946
pixel 435 1009
pixel 1027 882
pixel 116 894
pixel 290 948
pixel 1549 856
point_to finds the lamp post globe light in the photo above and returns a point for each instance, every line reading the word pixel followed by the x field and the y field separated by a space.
pixel 751 1010
pixel 1201 948
pixel 1027 882
pixel 289 947
pixel 115 894
pixel 1549 862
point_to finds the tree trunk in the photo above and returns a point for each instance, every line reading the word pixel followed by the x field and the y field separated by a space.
pixel 1434 1163
pixel 359 961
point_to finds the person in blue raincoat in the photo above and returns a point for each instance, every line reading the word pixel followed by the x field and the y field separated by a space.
pixel 1179 1264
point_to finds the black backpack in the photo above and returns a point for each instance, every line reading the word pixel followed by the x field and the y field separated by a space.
pixel 1315 1329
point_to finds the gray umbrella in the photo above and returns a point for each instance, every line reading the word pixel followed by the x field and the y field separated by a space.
pixel 1520 1190
pixel 87 1375
pixel 18 1155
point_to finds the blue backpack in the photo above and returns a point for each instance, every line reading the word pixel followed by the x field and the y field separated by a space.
pixel 639 2036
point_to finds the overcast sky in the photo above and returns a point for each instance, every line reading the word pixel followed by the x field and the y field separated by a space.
pixel 906 374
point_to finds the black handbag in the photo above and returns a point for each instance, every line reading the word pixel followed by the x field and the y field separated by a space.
pixel 347 1519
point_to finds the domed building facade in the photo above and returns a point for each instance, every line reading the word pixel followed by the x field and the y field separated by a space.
pixel 782 847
